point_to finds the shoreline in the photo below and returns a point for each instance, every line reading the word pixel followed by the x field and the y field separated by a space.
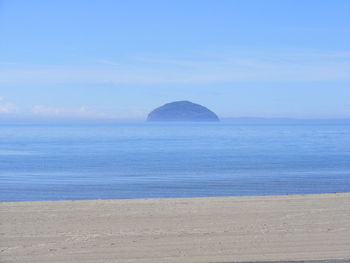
pixel 193 197
pixel 202 229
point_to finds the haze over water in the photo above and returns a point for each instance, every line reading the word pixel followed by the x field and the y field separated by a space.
pixel 151 160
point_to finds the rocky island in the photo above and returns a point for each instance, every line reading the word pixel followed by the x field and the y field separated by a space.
pixel 182 111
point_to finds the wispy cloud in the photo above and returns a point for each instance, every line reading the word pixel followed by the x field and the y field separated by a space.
pixel 81 112
pixel 8 108
pixel 223 67
pixel 7 63
pixel 108 62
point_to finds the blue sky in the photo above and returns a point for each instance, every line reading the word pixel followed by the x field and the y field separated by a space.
pixel 120 59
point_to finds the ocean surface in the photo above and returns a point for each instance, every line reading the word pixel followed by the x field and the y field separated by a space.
pixel 152 160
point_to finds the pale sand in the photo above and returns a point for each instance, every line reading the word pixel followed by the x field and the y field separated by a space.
pixel 223 229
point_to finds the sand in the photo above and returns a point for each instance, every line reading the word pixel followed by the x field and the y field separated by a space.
pixel 220 229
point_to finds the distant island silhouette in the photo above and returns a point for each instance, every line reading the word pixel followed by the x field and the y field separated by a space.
pixel 182 111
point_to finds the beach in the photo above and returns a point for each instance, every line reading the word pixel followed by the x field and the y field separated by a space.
pixel 211 229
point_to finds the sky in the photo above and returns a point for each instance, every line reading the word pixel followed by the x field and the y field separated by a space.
pixel 120 59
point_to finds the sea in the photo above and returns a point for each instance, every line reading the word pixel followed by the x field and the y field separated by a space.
pixel 65 161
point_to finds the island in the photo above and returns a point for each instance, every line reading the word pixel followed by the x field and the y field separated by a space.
pixel 182 111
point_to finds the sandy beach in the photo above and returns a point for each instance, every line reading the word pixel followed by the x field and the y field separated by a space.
pixel 220 229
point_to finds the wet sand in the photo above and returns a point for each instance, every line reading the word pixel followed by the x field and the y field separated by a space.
pixel 220 229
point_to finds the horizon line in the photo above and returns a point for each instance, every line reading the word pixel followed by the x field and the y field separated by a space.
pixel 56 119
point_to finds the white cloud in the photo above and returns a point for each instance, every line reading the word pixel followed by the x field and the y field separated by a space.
pixel 8 108
pixel 81 112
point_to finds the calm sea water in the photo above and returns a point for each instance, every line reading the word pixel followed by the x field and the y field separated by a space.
pixel 146 160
